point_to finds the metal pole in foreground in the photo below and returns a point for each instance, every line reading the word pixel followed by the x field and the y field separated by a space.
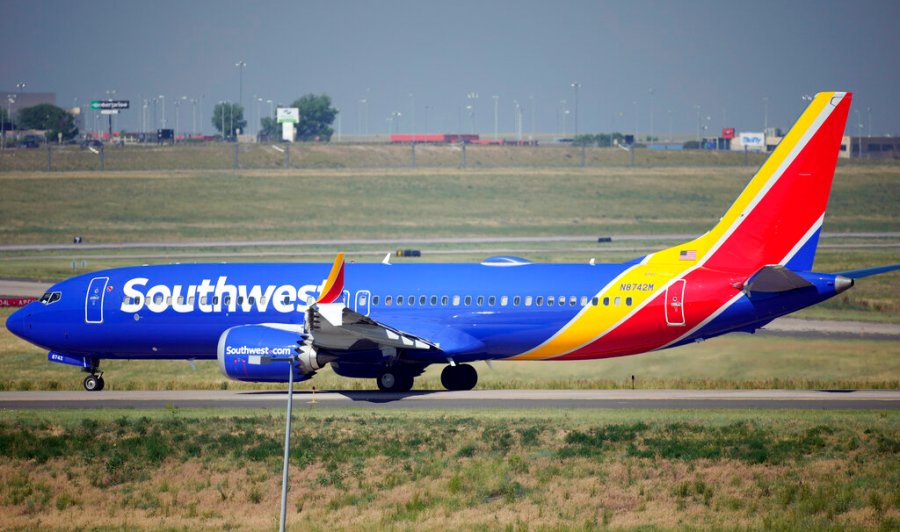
pixel 287 444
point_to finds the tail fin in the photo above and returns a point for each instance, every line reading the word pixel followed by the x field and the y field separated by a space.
pixel 778 216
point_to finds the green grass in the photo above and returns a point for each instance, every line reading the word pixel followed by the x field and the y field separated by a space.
pixel 323 204
pixel 480 469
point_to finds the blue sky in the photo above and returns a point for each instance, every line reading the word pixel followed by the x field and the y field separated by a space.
pixel 421 59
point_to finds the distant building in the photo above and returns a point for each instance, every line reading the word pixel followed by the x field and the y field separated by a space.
pixel 872 147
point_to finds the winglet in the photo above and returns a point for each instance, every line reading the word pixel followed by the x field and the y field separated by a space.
pixel 334 285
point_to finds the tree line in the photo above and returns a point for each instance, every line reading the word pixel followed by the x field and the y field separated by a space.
pixel 316 117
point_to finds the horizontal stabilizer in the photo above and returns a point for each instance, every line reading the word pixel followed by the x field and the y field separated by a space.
pixel 859 274
pixel 773 279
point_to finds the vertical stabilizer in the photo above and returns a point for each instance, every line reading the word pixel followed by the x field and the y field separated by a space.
pixel 778 216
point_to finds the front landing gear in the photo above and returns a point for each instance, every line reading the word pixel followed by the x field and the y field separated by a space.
pixel 94 383
pixel 459 377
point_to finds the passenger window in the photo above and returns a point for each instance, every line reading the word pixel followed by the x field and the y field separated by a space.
pixel 387 301
pixel 433 300
pixel 226 300
pixel 203 300
pixel 628 301
pixel 562 301
pixel 126 301
pixel 240 300
pixel 573 301
pixel 539 301
pixel 617 301
pixel 399 300
pixel 504 300
pixel 527 301
pixel 551 301
pixel 191 300
pixel 169 301
pixel 468 300
pixel 492 300
pixel 516 301
pixel 479 301
pixel 444 300
pixel 215 300
pixel 455 301
pixel 595 301
pixel 375 300
pixel 422 300
pixel 583 301
pixel 605 301
pixel 263 300
pixel 157 299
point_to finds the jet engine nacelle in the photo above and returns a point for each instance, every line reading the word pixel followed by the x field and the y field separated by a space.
pixel 261 353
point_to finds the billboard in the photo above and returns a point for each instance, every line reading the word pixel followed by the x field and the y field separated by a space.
pixel 109 105
pixel 727 132
pixel 287 115
pixel 753 141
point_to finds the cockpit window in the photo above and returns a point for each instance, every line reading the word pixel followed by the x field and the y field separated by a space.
pixel 50 297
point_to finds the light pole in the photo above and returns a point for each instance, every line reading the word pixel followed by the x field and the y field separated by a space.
pixel 412 114
pixel 258 116
pixel 531 98
pixel 193 116
pixel 497 114
pixel 869 122
pixel 765 115
pixel 575 86
pixel 472 97
pixel 177 104
pixel 222 107
pixel 697 107
pixel 860 125
pixel 651 91
pixel 162 103
pixel 635 104
pixel 240 65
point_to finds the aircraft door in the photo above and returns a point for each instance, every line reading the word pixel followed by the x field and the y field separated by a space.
pixel 363 301
pixel 675 303
pixel 93 301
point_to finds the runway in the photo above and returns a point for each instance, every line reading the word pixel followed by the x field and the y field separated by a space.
pixel 475 399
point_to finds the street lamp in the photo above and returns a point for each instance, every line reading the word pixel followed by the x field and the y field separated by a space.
pixel 162 103
pixel 222 107
pixel 472 97
pixel 860 124
pixel 651 91
pixel 193 116
pixel 258 117
pixel 240 65
pixel 575 86
pixel 497 114
pixel 412 114
pixel 177 104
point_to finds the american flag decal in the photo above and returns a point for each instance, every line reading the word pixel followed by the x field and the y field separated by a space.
pixel 688 254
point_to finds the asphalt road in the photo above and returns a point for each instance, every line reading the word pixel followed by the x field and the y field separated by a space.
pixel 505 399
pixel 389 242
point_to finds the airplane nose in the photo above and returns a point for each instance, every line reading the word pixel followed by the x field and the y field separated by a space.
pixel 16 323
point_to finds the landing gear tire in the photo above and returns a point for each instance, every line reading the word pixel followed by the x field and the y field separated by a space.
pixel 94 383
pixel 459 377
pixel 394 380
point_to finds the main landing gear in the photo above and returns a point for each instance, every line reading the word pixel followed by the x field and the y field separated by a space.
pixel 395 379
pixel 459 377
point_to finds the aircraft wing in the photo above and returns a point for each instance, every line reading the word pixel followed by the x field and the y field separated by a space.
pixel 334 326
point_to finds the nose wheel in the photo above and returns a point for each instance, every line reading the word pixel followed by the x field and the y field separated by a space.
pixel 94 383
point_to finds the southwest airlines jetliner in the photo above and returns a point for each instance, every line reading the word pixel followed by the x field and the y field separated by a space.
pixel 388 322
